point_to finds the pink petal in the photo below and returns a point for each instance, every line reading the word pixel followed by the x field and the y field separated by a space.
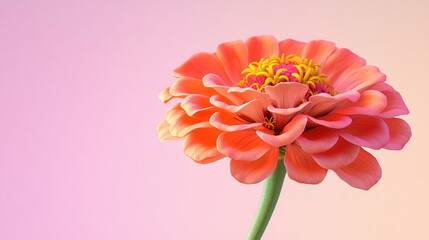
pixel 323 103
pixel 301 167
pixel 362 173
pixel 181 124
pixel 164 132
pixel 262 47
pixel 331 121
pixel 340 155
pixel 255 171
pixel 340 64
pixel 284 115
pixel 187 86
pixel 234 56
pixel 367 132
pixel 200 65
pixel 216 83
pixel 317 140
pixel 243 95
pixel 370 103
pixel 200 145
pixel 229 123
pixel 242 145
pixel 360 79
pixel 395 103
pixel 252 111
pixel 290 46
pixel 195 103
pixel 287 94
pixel 400 133
pixel 318 51
pixel 289 134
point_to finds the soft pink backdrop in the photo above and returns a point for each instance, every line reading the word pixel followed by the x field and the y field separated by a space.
pixel 79 153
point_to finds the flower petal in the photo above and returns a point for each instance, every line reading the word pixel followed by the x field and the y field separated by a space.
pixel 317 140
pixel 164 132
pixel 200 145
pixel 229 123
pixel 262 47
pixel 339 156
pixel 255 171
pixel 290 132
pixel 242 145
pixel 235 58
pixel 195 103
pixel 362 173
pixel 367 132
pixel 318 51
pixel 395 103
pixel 181 124
pixel 301 167
pixel 340 64
pixel 400 133
pixel 290 46
pixel 331 121
pixel 165 95
pixel 370 103
pixel 201 64
pixel 360 79
pixel 287 94
pixel 187 86
pixel 323 103
pixel 252 111
pixel 284 115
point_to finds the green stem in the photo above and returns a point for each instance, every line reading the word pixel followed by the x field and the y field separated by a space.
pixel 270 194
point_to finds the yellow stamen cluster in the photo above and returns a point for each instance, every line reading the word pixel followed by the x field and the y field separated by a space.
pixel 269 123
pixel 308 72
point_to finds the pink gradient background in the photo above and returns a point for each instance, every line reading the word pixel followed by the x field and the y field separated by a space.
pixel 79 152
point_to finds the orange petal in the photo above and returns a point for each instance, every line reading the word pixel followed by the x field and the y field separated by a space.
pixel 395 103
pixel 200 65
pixel 195 103
pixel 289 134
pixel 317 140
pixel 165 95
pixel 367 132
pixel 362 173
pixel 164 132
pixel 318 51
pixel 262 47
pixel 252 111
pixel 301 167
pixel 242 95
pixel 242 145
pixel 200 145
pixel 255 171
pixel 400 133
pixel 290 46
pixel 370 103
pixel 229 123
pixel 287 94
pixel 360 79
pixel 340 64
pixel 187 86
pixel 181 124
pixel 339 156
pixel 234 56
pixel 336 121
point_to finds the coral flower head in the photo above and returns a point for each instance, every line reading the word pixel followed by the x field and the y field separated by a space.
pixel 320 102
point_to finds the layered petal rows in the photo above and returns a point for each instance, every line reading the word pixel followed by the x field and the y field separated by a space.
pixel 322 130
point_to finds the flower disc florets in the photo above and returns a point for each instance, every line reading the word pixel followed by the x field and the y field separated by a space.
pixel 275 69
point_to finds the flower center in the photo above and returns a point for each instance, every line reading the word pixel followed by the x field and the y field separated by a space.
pixel 275 69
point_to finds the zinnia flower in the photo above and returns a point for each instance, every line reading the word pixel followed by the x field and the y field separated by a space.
pixel 320 102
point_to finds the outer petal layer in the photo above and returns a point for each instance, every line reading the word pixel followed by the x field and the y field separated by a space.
pixel 242 145
pixel 339 156
pixel 362 173
pixel 400 133
pixel 200 145
pixel 255 171
pixel 301 167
